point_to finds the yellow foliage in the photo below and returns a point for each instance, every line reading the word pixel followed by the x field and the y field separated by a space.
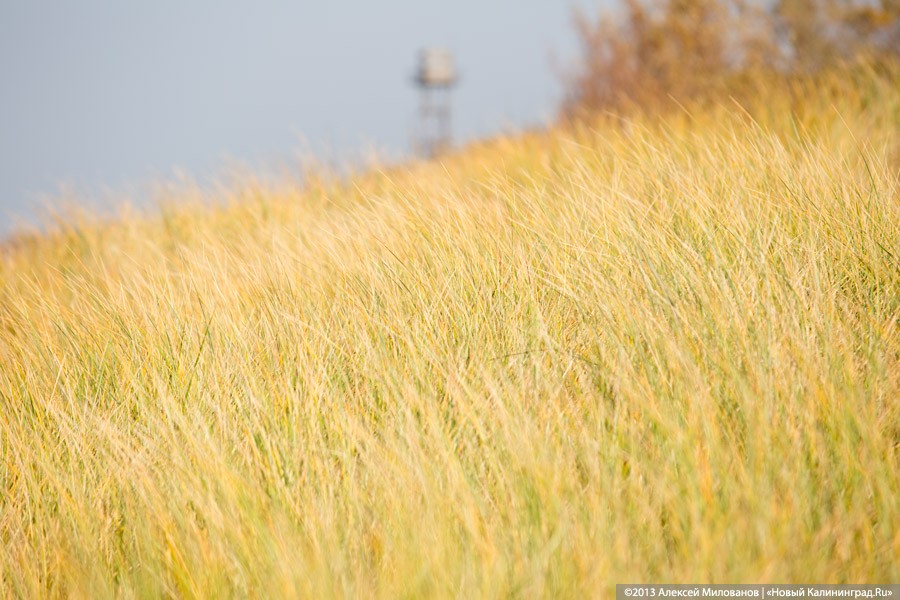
pixel 632 350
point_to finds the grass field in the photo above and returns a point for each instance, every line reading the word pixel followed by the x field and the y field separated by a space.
pixel 653 349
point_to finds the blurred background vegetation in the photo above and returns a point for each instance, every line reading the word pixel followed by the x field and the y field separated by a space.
pixel 652 51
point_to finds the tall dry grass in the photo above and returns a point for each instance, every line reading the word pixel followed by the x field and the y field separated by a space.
pixel 643 350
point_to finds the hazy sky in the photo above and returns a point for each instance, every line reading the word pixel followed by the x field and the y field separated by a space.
pixel 99 94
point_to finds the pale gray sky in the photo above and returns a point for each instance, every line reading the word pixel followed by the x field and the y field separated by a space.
pixel 99 94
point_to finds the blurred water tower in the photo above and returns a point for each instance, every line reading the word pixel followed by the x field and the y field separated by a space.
pixel 435 77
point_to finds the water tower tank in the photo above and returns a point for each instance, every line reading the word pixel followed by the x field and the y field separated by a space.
pixel 436 68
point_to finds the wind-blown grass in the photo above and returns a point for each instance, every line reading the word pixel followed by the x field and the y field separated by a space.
pixel 644 350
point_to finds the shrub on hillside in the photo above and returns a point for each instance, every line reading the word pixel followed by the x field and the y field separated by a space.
pixel 654 50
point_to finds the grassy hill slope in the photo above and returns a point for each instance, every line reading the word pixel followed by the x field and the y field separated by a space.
pixel 641 350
